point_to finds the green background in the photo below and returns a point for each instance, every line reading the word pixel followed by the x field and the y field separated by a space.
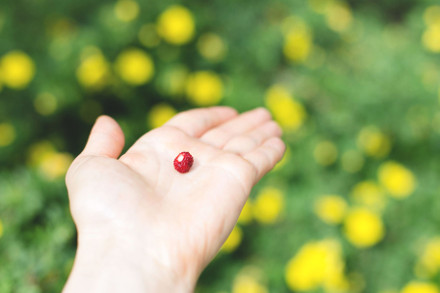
pixel 374 73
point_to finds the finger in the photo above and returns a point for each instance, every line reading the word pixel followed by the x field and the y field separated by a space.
pixel 106 138
pixel 266 156
pixel 197 121
pixel 251 140
pixel 220 135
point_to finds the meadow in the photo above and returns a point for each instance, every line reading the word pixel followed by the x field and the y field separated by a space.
pixel 355 85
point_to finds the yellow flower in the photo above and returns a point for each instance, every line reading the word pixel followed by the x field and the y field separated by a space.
pixel 176 25
pixel 148 35
pixel 134 66
pixel 1 228
pixel 374 142
pixel 17 68
pixel 432 15
pixel 54 165
pixel 397 180
pixel 325 153
pixel 431 38
pixel 45 103
pixel 288 112
pixel 352 161
pixel 160 114
pixel 338 16
pixel 363 228
pixel 298 43
pixel 126 10
pixel 317 264
pixel 420 287
pixel 7 134
pixel 429 262
pixel 268 205
pixel 38 151
pixel 94 69
pixel 233 241
pixel 204 88
pixel 246 214
pixel 211 47
pixel 369 194
pixel 331 208
pixel 248 284
pixel 50 163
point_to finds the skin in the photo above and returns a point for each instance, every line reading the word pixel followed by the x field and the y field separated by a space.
pixel 143 226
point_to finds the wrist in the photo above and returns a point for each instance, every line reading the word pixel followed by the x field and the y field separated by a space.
pixel 110 266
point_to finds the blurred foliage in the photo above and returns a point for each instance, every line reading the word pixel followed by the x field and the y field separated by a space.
pixel 355 85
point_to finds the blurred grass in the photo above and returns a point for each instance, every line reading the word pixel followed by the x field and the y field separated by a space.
pixel 354 84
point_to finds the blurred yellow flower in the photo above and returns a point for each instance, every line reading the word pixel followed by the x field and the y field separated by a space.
pixel 331 208
pixel 148 35
pixel 338 16
pixel 374 142
pixel 432 15
pixel 233 241
pixel 94 69
pixel 204 88
pixel 363 228
pixel 429 262
pixel 246 214
pixel 325 153
pixel 352 161
pixel 298 42
pixel 17 69
pixel 45 103
pixel 268 205
pixel 126 10
pixel 54 165
pixel 288 112
pixel 431 38
pixel 49 162
pixel 317 264
pixel 176 25
pixel 211 47
pixel 1 228
pixel 248 284
pixel 134 66
pixel 369 194
pixel 38 151
pixel 7 134
pixel 397 179
pixel 420 287
pixel 160 114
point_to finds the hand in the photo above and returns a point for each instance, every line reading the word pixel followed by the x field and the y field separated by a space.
pixel 139 219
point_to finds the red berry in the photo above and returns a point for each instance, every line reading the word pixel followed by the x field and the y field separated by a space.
pixel 183 162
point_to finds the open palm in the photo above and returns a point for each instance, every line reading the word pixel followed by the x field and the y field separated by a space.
pixel 140 202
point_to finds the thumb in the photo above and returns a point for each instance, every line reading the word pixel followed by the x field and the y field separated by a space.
pixel 106 139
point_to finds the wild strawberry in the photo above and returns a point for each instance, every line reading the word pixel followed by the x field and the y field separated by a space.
pixel 183 162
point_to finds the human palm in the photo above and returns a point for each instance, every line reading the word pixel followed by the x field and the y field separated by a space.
pixel 178 221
